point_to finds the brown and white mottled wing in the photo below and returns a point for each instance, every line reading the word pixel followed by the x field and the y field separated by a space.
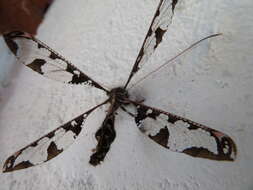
pixel 45 61
pixel 159 25
pixel 182 135
pixel 48 146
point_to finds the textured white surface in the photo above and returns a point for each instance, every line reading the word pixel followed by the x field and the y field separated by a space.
pixel 212 85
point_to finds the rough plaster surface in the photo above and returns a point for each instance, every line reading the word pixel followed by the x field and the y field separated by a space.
pixel 212 84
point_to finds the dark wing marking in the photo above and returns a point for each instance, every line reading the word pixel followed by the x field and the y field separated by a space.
pixel 182 135
pixel 46 62
pixel 48 146
pixel 159 25
pixel 105 136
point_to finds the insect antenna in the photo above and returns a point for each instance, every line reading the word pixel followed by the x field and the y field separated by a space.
pixel 173 58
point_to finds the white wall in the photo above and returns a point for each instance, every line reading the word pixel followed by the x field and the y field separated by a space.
pixel 212 84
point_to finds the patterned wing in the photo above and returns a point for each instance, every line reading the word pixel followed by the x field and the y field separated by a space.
pixel 159 25
pixel 105 137
pixel 182 135
pixel 48 146
pixel 42 59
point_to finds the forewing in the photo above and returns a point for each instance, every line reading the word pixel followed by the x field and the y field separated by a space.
pixel 159 25
pixel 182 135
pixel 45 61
pixel 48 146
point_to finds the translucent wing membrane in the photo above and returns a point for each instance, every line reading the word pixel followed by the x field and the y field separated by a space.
pixel 159 25
pixel 183 135
pixel 48 146
pixel 45 61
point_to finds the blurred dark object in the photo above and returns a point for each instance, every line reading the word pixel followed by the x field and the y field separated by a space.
pixel 22 15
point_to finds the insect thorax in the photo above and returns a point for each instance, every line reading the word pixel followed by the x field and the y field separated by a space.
pixel 119 95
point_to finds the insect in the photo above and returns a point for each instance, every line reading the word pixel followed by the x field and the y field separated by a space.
pixel 173 132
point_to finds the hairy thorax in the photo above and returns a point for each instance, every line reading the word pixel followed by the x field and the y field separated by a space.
pixel 118 95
